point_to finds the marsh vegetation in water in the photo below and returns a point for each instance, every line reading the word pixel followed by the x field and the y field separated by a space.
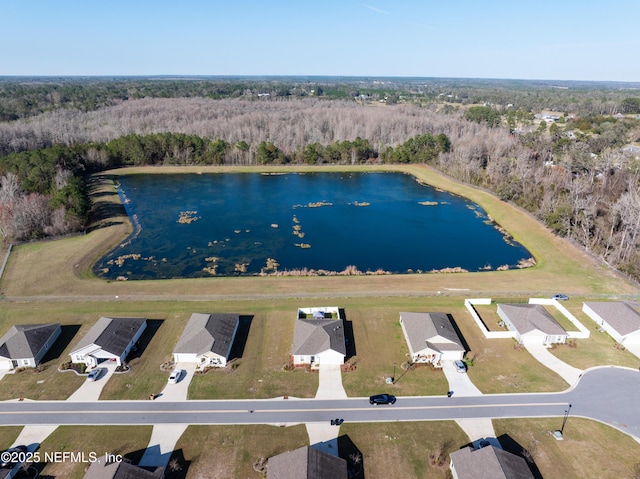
pixel 191 225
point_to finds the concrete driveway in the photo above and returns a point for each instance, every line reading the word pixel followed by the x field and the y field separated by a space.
pixel 632 348
pixel 566 372
pixel 459 383
pixel 179 390
pixel 90 390
pixel 330 382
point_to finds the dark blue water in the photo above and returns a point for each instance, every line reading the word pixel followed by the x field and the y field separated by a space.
pixel 235 222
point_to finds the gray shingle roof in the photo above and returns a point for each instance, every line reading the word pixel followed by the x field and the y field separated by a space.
pixel 433 330
pixel 26 340
pixel 208 332
pixel 306 463
pixel 112 334
pixel 489 463
pixel 528 317
pixel 313 336
pixel 121 470
pixel 621 316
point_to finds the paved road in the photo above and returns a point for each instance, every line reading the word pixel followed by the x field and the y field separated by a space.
pixel 605 394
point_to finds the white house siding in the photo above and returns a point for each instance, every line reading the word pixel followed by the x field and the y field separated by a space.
pixel 632 338
pixel 5 364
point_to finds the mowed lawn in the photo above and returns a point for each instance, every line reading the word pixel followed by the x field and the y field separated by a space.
pixel 129 442
pixel 590 450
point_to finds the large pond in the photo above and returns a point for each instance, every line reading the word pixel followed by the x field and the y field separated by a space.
pixel 196 225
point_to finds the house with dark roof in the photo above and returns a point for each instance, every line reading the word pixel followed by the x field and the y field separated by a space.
pixel 318 337
pixel 25 345
pixel 488 462
pixel 619 319
pixel 532 323
pixel 431 338
pixel 110 339
pixel 207 339
pixel 103 468
pixel 306 463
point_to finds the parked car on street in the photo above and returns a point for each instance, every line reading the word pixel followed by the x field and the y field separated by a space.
pixel 382 399
pixel 174 377
pixel 560 297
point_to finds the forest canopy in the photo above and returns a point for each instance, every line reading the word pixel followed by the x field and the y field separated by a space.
pixel 567 152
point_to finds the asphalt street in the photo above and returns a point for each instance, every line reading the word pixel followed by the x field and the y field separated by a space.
pixel 606 394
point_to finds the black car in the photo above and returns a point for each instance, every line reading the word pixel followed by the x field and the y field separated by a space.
pixel 382 399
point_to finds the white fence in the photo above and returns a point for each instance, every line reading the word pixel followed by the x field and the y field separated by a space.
pixel 468 303
pixel 583 332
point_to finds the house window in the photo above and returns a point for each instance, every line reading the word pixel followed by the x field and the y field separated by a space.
pixel 25 362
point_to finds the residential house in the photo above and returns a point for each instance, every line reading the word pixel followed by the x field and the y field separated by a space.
pixel 25 345
pixel 318 337
pixel 431 338
pixel 103 468
pixel 207 339
pixel 532 323
pixel 110 339
pixel 306 463
pixel 488 462
pixel 620 320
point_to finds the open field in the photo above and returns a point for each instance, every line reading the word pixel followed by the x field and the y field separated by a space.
pixel 127 441
pixel 590 450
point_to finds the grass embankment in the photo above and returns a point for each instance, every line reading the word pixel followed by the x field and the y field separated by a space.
pixel 63 268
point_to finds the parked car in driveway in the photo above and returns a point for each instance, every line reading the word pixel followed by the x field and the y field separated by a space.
pixel 94 374
pixel 382 399
pixel 461 367
pixel 560 297
pixel 174 377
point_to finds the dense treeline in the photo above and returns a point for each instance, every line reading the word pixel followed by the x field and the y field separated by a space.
pixel 27 97
pixel 573 174
pixel 42 192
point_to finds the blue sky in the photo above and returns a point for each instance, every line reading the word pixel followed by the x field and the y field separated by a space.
pixel 535 39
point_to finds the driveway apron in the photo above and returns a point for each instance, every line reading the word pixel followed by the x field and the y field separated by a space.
pixel 178 392
pixel 90 390
pixel 459 383
pixel 329 387
pixel 566 372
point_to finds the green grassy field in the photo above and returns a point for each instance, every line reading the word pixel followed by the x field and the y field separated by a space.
pixel 590 450
pixel 53 282
pixel 129 442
